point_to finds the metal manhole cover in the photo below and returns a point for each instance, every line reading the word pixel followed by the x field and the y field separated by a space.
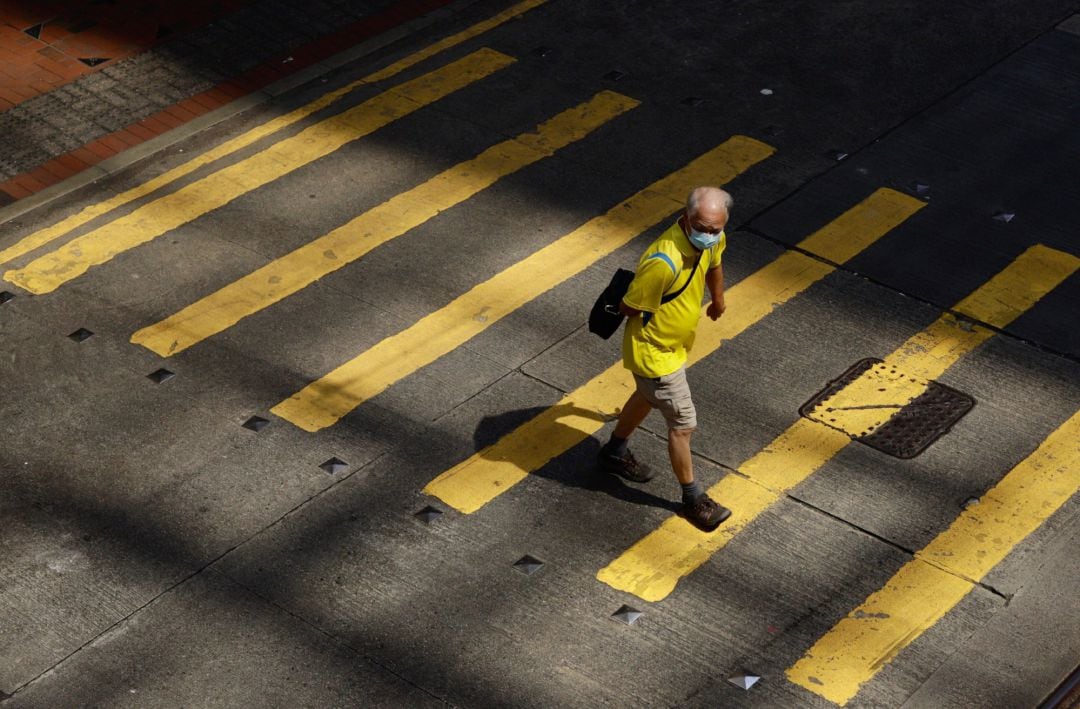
pixel 881 406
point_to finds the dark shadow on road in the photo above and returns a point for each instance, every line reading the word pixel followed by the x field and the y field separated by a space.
pixel 574 468
pixel 95 558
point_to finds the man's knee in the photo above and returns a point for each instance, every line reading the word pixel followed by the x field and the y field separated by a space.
pixel 681 433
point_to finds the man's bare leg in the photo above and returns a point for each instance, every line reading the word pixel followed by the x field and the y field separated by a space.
pixel 615 456
pixel 682 462
pixel 633 413
pixel 698 507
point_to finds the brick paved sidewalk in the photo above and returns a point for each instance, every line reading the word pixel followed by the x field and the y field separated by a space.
pixel 44 45
pixel 82 80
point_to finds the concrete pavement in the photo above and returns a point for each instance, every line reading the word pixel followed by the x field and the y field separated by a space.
pixel 903 185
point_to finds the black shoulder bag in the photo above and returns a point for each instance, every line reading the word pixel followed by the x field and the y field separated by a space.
pixel 605 318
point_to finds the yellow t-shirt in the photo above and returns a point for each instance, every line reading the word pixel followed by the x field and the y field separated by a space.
pixel 655 343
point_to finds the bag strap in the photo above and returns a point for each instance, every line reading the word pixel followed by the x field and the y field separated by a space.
pixel 672 296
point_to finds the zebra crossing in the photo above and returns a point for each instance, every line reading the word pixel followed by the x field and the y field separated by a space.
pixel 840 662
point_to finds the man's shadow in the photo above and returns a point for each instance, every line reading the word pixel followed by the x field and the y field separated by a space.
pixel 576 467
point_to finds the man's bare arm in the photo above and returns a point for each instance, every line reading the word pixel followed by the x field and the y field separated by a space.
pixel 714 278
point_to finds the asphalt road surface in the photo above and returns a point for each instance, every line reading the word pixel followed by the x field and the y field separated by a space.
pixel 302 410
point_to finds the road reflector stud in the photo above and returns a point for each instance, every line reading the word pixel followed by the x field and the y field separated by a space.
pixel 615 75
pixel 744 681
pixel 693 101
pixel 428 515
pixel 160 376
pixel 970 502
pixel 528 565
pixel 541 51
pixel 837 155
pixel 884 408
pixel 627 615
pixel 922 190
pixel 81 335
pixel 6 296
pixel 334 466
pixel 256 423
pixel 1005 216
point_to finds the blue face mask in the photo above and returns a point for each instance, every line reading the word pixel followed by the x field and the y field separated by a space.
pixel 703 241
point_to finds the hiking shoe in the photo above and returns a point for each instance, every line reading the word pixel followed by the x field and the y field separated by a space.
pixel 625 466
pixel 705 513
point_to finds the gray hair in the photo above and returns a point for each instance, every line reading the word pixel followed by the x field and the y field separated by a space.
pixel 698 192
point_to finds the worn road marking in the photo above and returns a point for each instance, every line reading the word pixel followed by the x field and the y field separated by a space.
pixel 323 402
pixel 872 399
pixel 302 267
pixel 47 235
pixel 487 474
pixel 50 271
pixel 931 584
pixel 653 566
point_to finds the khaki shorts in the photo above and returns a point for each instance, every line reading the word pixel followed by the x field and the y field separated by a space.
pixel 671 395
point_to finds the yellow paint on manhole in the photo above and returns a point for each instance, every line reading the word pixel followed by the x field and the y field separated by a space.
pixel 888 409
pixel 874 397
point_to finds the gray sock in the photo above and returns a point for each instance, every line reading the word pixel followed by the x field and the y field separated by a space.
pixel 616 446
pixel 691 491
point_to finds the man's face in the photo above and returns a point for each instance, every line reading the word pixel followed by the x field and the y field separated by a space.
pixel 708 221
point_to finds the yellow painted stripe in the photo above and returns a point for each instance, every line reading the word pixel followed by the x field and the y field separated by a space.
pixel 856 229
pixel 876 631
pixel 45 236
pixel 670 540
pixel 49 272
pixel 875 396
pixel 653 566
pixel 930 585
pixel 323 402
pixel 479 28
pixel 477 480
pixel 869 401
pixel 290 273
pixel 1034 274
pixel 1014 508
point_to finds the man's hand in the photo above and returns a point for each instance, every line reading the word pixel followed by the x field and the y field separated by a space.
pixel 714 278
pixel 716 309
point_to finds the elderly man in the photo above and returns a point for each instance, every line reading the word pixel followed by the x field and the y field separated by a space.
pixel 663 305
